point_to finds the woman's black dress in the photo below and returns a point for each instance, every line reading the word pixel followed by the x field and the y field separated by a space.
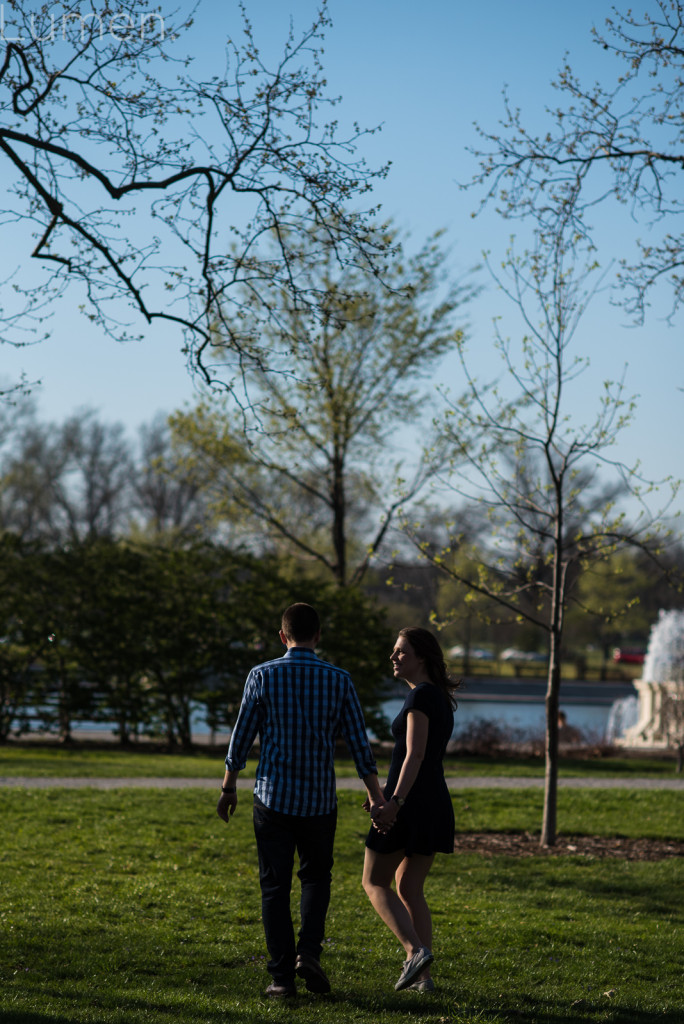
pixel 425 823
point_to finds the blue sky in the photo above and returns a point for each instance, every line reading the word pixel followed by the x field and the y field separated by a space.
pixel 426 72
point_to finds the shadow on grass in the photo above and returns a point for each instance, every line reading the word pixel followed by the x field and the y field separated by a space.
pixel 138 1008
pixel 652 897
pixel 582 1010
pixel 29 1017
pixel 446 1007
pixel 654 900
pixel 445 1004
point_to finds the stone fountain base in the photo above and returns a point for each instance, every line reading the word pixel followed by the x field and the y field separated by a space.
pixel 654 727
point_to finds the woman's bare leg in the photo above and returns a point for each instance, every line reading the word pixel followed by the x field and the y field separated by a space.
pixel 378 874
pixel 410 877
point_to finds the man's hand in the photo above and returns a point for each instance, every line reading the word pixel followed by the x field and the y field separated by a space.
pixel 374 806
pixel 226 805
pixel 375 798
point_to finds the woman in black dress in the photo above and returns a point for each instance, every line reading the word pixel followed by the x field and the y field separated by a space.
pixel 418 819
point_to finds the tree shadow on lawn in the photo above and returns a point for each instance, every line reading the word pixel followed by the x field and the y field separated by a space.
pixel 142 1008
pixel 445 1005
pixel 651 897
pixel 204 998
pixel 653 900
pixel 607 1009
pixel 28 1017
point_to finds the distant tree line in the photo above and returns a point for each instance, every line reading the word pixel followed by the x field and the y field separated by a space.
pixel 123 602
pixel 150 637
pixel 128 595
pixel 80 480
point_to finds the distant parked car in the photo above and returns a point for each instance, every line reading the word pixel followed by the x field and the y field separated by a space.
pixel 629 655
pixel 513 654
pixel 459 651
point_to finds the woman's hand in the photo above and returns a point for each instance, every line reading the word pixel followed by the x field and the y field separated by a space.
pixel 385 817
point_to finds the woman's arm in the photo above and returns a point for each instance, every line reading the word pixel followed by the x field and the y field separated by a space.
pixel 417 724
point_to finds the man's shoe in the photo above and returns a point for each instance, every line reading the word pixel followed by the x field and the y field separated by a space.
pixel 275 991
pixel 413 967
pixel 309 968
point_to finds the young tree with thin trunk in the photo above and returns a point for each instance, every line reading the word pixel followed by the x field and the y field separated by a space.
pixel 546 480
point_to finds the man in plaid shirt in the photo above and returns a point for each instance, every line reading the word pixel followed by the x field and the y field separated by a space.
pixel 298 705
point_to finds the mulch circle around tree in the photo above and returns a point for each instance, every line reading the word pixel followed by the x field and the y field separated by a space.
pixel 526 844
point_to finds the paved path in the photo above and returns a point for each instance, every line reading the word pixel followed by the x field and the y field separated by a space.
pixel 459 782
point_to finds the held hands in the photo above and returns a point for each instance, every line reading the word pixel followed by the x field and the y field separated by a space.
pixel 375 807
pixel 370 806
pixel 384 816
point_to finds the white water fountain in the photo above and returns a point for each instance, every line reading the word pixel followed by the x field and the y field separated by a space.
pixel 624 714
pixel 661 687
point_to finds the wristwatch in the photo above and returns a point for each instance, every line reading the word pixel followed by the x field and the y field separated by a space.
pixel 399 800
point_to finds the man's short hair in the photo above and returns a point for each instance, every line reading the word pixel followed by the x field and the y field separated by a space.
pixel 300 622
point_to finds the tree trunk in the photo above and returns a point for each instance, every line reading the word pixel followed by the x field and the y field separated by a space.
pixel 63 707
pixel 339 534
pixel 603 674
pixel 552 702
pixel 6 717
pixel 124 734
pixel 549 819
pixel 184 728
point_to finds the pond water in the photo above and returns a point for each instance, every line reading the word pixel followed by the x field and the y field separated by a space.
pixel 527 718
pixel 600 711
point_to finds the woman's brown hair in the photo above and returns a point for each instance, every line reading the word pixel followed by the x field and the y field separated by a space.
pixel 426 646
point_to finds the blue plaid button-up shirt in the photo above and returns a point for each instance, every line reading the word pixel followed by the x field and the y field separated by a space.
pixel 298 705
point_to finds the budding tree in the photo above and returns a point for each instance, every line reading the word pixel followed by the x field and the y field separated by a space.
pixel 548 481
pixel 315 466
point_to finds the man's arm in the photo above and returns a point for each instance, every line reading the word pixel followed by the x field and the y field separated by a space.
pixel 241 740
pixel 356 737
pixel 376 798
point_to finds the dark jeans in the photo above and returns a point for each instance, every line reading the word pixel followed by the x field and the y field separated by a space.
pixel 277 837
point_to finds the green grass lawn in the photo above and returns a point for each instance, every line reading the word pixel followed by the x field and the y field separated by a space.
pixel 133 906
pixel 108 761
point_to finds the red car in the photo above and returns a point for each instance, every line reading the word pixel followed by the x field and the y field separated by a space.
pixel 629 655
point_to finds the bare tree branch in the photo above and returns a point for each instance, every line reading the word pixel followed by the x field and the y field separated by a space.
pixel 622 142
pixel 151 188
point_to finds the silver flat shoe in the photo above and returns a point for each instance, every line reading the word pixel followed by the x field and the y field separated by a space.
pixel 427 985
pixel 413 967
